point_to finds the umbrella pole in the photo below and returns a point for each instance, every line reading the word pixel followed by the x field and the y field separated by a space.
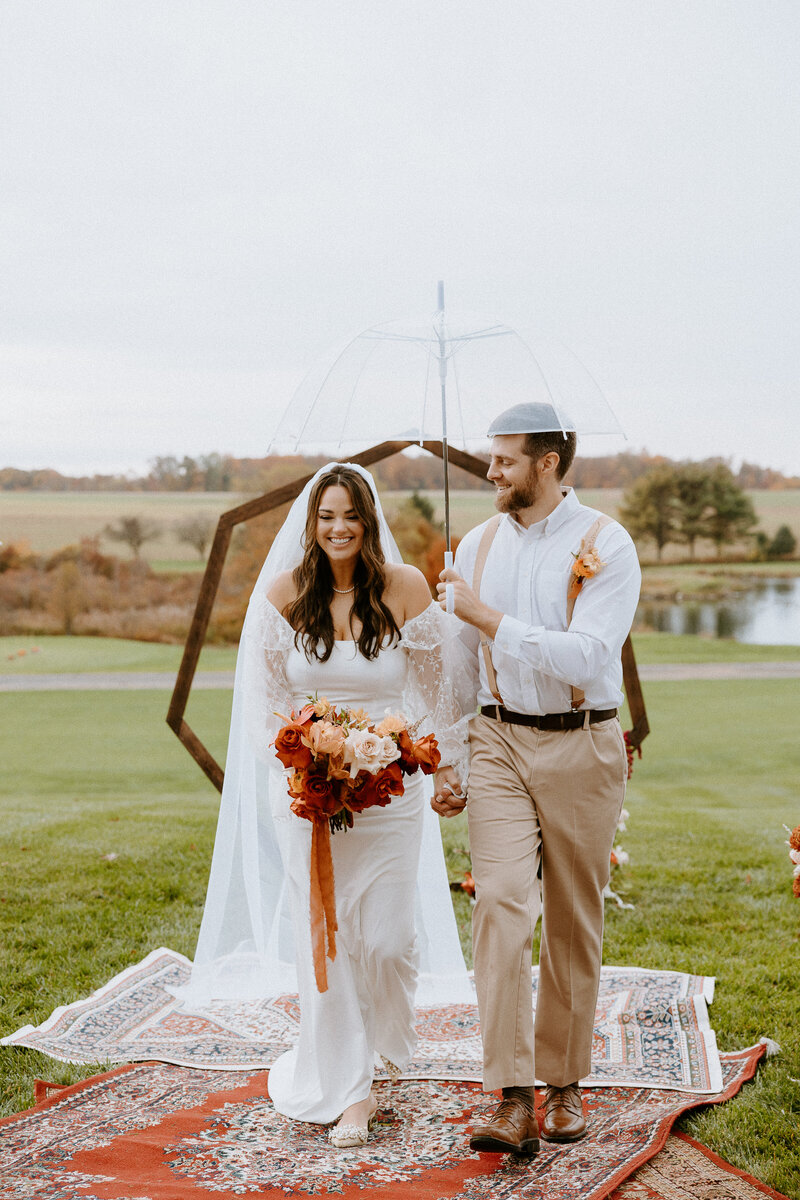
pixel 448 553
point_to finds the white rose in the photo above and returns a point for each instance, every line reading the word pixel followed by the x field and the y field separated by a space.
pixel 362 752
pixel 390 751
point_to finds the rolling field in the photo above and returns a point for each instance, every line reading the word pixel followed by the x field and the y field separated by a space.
pixel 47 521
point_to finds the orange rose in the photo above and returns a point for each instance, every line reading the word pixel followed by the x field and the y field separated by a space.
pixel 375 790
pixel 406 747
pixel 290 747
pixel 319 799
pixel 426 753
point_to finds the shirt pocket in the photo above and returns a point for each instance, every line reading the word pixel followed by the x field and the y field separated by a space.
pixel 550 594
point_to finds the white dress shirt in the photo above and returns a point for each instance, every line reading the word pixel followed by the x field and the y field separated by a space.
pixel 526 577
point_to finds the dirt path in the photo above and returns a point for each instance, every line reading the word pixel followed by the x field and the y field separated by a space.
pixel 115 681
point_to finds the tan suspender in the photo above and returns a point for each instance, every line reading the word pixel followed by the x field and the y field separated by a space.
pixel 487 537
pixel 578 694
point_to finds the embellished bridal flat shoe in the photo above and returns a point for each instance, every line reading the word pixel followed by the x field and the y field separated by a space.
pixel 345 1137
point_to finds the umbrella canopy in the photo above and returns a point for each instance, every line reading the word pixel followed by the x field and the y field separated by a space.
pixel 442 379
pixel 387 383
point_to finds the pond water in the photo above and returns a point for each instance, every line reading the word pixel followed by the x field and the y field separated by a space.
pixel 768 614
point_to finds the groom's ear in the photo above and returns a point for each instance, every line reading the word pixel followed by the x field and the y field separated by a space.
pixel 548 464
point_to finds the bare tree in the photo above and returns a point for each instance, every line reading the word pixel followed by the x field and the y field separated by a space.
pixel 134 532
pixel 197 532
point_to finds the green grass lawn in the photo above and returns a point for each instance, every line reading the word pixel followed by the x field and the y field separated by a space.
pixel 79 655
pixel 691 648
pixel 58 655
pixel 87 776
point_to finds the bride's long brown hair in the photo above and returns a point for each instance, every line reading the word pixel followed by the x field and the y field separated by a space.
pixel 310 614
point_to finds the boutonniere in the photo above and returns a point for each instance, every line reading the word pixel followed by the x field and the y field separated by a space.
pixel 587 564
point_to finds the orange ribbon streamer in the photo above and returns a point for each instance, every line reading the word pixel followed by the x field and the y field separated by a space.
pixel 323 902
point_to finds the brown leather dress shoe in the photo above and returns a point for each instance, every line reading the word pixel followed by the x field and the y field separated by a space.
pixel 513 1128
pixel 563 1114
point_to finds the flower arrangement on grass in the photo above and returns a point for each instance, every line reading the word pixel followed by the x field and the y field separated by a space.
pixel 619 858
pixel 630 750
pixel 794 854
pixel 340 764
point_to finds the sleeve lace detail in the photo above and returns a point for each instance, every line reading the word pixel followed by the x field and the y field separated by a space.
pixel 266 640
pixel 442 682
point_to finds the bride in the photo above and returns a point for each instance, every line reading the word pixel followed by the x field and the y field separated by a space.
pixel 335 613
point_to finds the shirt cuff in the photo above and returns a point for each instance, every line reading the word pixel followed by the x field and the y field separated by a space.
pixel 511 633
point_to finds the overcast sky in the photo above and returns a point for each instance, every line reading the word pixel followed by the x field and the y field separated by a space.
pixel 198 197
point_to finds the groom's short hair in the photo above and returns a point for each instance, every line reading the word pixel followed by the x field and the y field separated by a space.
pixel 543 433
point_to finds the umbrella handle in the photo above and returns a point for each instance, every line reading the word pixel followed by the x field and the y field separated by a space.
pixel 449 591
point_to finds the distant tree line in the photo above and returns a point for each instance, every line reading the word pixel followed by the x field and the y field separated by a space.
pixel 402 472
pixel 684 503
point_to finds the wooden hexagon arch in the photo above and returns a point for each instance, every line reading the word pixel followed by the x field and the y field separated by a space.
pixel 213 574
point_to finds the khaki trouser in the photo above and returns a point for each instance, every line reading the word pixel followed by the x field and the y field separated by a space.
pixel 553 798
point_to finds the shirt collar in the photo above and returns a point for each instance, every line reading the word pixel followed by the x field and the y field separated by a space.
pixel 550 524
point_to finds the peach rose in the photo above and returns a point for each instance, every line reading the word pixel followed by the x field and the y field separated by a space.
pixel 323 737
pixel 392 723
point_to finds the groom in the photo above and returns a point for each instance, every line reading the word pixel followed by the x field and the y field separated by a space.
pixel 549 588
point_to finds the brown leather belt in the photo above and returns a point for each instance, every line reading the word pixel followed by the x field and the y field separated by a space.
pixel 547 721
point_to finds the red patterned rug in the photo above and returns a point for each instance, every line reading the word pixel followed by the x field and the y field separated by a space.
pixel 153 1131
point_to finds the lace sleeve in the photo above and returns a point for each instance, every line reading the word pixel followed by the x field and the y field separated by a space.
pixel 442 682
pixel 266 640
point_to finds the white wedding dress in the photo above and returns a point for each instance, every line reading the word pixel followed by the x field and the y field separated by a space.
pixel 254 941
pixel 368 1009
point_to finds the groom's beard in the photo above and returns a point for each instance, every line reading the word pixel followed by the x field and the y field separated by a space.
pixel 522 495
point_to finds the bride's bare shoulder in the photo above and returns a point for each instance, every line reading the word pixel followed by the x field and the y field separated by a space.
pixel 282 590
pixel 407 590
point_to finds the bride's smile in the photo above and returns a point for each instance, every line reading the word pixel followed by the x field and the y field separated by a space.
pixel 340 531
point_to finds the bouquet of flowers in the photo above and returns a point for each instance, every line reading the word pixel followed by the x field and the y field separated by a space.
pixel 341 764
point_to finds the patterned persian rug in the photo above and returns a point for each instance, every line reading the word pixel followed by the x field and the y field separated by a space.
pixel 685 1170
pixel 154 1131
pixel 651 1029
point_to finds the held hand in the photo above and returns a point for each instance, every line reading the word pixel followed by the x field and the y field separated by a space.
pixel 447 798
pixel 468 606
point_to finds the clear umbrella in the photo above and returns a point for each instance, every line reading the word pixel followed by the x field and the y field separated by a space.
pixel 441 378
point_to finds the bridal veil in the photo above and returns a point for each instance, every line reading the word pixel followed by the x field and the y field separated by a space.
pixel 245 948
